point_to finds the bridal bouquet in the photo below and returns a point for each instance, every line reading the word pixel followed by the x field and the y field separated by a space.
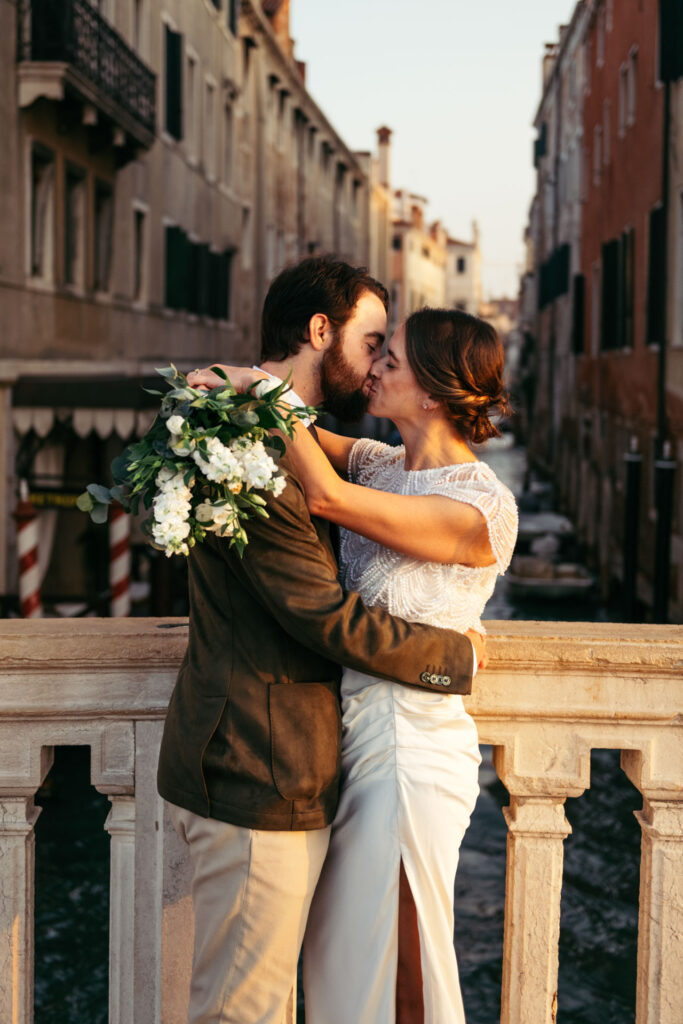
pixel 204 464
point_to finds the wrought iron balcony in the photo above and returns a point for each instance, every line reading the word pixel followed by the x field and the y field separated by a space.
pixel 66 49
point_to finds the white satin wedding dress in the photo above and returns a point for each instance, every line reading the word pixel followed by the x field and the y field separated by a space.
pixel 410 761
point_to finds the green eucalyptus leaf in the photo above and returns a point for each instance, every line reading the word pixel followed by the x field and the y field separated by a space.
pixel 100 493
pixel 120 493
pixel 167 372
pixel 245 418
pixel 99 513
pixel 85 502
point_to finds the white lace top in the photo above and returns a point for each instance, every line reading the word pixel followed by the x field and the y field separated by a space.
pixel 441 595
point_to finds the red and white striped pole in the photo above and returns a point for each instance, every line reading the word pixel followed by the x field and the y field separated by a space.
pixel 119 560
pixel 26 519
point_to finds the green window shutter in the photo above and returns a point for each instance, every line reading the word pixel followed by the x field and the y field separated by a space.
pixel 610 277
pixel 173 284
pixel 670 40
pixel 578 314
pixel 174 83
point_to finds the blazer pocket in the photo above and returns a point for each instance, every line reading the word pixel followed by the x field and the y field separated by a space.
pixel 305 737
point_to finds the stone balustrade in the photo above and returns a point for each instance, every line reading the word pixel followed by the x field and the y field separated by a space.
pixel 552 693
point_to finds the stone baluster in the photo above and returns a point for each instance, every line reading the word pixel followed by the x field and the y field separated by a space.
pixel 537 829
pixel 18 816
pixel 539 778
pixel 120 825
pixel 657 772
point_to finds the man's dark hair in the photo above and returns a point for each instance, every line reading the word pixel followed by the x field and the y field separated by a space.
pixel 319 284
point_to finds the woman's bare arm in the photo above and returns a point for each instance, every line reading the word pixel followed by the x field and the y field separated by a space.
pixel 430 527
pixel 337 447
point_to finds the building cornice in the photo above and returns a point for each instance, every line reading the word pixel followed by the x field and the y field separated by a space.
pixel 258 23
pixel 582 10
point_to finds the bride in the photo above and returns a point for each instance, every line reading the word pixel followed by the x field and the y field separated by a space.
pixel 426 528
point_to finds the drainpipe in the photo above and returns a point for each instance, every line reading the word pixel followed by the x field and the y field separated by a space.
pixel 633 465
pixel 665 465
pixel 665 469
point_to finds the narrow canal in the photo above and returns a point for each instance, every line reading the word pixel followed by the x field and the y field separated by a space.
pixel 600 892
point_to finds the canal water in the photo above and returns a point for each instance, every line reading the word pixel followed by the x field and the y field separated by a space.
pixel 598 932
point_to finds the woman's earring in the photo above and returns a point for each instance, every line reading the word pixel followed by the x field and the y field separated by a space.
pixel 425 405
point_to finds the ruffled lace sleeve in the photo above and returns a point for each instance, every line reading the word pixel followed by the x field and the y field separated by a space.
pixel 367 457
pixel 495 501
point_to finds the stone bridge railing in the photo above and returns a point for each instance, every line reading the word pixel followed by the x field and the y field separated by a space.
pixel 552 693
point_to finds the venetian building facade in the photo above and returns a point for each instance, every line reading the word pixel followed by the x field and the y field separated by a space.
pixel 463 273
pixel 608 415
pixel 555 237
pixel 378 172
pixel 162 161
pixel 418 266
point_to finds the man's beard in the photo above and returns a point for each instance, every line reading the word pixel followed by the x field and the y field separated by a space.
pixel 341 385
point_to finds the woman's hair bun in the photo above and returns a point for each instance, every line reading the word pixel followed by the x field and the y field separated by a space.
pixel 458 360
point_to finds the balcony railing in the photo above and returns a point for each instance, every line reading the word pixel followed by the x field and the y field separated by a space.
pixel 553 692
pixel 73 33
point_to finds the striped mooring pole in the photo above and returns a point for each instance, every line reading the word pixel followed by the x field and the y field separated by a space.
pixel 119 560
pixel 26 519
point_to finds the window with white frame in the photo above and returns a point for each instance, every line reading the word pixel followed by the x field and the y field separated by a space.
pixel 74 226
pixel 173 82
pixel 632 87
pixel 42 212
pixel 606 132
pixel 210 129
pixel 247 241
pixel 623 98
pixel 191 118
pixel 139 254
pixel 103 235
pixel 281 110
pixel 600 40
pixel 228 143
pixel 597 153
pixel 139 25
pixel 595 309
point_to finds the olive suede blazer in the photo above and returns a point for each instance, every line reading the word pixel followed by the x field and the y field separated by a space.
pixel 252 735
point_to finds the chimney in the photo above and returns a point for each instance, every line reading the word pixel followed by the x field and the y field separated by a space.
pixel 278 12
pixel 384 145
pixel 549 58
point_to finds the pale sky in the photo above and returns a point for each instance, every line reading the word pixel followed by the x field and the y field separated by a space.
pixel 459 82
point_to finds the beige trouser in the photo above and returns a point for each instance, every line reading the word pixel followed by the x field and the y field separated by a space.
pixel 251 892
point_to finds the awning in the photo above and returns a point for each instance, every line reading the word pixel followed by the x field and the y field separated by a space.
pixel 105 405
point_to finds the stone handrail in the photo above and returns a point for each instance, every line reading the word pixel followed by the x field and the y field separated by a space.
pixel 553 692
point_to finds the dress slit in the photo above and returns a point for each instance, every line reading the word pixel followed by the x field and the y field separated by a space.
pixel 409 988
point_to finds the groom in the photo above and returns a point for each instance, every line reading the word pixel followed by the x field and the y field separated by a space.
pixel 250 754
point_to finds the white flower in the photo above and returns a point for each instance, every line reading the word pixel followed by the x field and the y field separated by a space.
pixel 264 386
pixel 277 485
pixel 174 424
pixel 204 512
pixel 221 466
pixel 257 466
pixel 163 476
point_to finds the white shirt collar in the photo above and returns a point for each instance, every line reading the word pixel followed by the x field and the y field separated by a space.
pixel 290 395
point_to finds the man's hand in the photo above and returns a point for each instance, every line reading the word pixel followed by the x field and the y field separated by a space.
pixel 479 644
pixel 239 376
